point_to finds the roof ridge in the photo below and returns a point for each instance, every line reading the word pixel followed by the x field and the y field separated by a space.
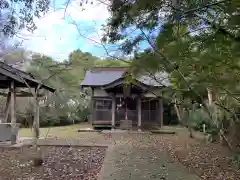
pixel 94 69
pixel 110 67
pixel 16 69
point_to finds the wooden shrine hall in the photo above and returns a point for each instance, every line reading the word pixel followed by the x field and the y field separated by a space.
pixel 114 104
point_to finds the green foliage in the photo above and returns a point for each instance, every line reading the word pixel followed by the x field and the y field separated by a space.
pixel 26 119
pixel 18 14
pixel 236 160
pixel 69 104
pixel 198 118
pixel 193 60
pixel 111 63
pixel 49 120
pixel 195 42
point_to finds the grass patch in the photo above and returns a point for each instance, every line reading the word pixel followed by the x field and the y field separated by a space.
pixel 63 131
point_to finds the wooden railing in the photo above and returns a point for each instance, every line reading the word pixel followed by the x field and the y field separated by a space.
pixel 101 115
pixel 150 115
pixel 106 115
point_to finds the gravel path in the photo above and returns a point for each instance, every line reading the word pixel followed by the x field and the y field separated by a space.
pixel 139 156
pixel 135 157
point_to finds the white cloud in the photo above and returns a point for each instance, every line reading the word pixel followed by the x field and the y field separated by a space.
pixel 57 37
pixel 96 11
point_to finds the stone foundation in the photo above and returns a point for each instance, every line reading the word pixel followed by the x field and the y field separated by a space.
pixel 8 133
pixel 126 124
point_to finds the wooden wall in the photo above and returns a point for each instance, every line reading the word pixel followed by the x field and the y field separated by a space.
pixel 102 114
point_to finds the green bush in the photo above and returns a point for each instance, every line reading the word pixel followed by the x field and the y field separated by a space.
pixel 81 115
pixel 198 118
pixel 48 121
pixel 64 121
pixel 54 117
pixel 24 120
pixel 236 160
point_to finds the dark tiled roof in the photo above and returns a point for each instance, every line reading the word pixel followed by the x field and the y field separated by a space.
pixel 158 79
pixel 104 76
pixel 109 69
pixel 20 76
pixel 100 78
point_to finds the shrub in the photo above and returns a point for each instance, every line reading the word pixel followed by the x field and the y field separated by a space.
pixel 198 118
pixel 236 160
pixel 48 121
pixel 54 117
pixel 25 119
pixel 82 115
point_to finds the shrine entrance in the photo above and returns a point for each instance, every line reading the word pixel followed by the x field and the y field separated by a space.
pixel 126 109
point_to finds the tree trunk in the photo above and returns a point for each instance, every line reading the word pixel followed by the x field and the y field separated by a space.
pixel 177 112
pixel 189 126
pixel 38 159
pixel 36 119
pixel 210 97
pixel 190 131
pixel 189 122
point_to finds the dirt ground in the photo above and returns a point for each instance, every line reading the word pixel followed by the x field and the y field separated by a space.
pixel 161 154
pixel 208 160
pixel 58 163
pixel 165 156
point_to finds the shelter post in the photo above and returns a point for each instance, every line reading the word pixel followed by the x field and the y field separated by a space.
pixel 13 112
pixel 113 111
pixel 139 113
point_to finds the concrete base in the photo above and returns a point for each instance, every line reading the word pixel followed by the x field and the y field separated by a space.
pixel 88 130
pixel 126 124
pixel 162 132
pixel 21 141
pixel 9 132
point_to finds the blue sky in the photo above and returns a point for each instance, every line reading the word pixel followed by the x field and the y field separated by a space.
pixel 57 36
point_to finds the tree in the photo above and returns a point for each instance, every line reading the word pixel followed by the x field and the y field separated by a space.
pixel 110 62
pixel 19 14
pixel 195 42
pixel 69 100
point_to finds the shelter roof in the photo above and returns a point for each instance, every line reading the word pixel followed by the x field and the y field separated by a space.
pixel 8 73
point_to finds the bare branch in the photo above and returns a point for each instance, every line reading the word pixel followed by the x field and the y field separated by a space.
pixel 66 6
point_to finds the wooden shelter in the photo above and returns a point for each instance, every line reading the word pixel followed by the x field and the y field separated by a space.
pixel 12 81
pixel 118 105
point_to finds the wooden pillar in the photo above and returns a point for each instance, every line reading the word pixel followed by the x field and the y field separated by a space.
pixel 38 158
pixel 7 108
pixel 90 120
pixel 161 112
pixel 113 111
pixel 36 116
pixel 13 103
pixel 139 108
pixel 13 112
